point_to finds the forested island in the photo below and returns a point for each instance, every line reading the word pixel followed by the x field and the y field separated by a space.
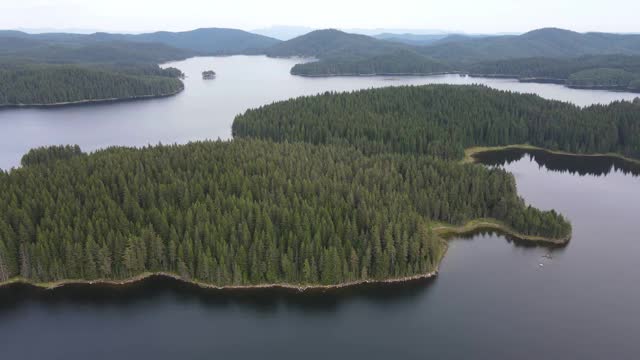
pixel 356 201
pixel 444 120
pixel 50 84
pixel 245 212
pixel 208 75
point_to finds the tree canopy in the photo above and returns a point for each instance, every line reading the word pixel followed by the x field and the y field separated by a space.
pixel 244 212
pixel 45 84
pixel 443 120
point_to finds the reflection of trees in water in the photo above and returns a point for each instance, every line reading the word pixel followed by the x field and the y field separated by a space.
pixel 580 165
pixel 161 289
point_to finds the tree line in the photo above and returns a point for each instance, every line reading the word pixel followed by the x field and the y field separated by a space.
pixel 397 62
pixel 244 212
pixel 443 120
pixel 611 71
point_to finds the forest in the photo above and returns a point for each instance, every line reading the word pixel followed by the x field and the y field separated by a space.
pixel 46 84
pixel 46 69
pixel 566 57
pixel 399 62
pixel 244 212
pixel 443 120
pixel 609 71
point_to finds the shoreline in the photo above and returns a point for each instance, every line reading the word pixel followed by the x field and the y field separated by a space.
pixel 443 231
pixel 469 153
pixel 534 80
pixel 377 74
pixel 203 285
pixel 447 231
pixel 89 102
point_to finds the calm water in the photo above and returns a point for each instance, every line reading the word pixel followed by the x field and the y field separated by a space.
pixel 491 300
pixel 205 110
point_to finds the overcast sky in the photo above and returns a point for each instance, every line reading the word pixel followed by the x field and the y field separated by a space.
pixel 474 16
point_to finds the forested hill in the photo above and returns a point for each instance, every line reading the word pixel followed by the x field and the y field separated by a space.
pixel 244 213
pixel 211 41
pixel 26 49
pixel 49 84
pixel 331 43
pixel 207 41
pixel 548 43
pixel 443 120
pixel 340 53
pixel 400 62
pixel 52 69
pixel 621 72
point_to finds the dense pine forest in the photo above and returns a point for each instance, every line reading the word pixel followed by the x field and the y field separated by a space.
pixel 244 212
pixel 607 71
pixel 443 120
pixel 45 69
pixel 45 84
pixel 399 62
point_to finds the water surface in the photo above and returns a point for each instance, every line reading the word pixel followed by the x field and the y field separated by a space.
pixel 492 299
pixel 206 109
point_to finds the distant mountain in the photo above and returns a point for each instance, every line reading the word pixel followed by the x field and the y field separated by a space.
pixel 211 41
pixel 411 39
pixel 283 32
pixel 60 48
pixel 332 44
pixel 550 42
pixel 376 31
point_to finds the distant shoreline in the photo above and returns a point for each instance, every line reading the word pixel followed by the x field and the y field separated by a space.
pixel 378 74
pixel 535 80
pixel 89 102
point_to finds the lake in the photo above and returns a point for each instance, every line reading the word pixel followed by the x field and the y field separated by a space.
pixel 491 300
pixel 206 109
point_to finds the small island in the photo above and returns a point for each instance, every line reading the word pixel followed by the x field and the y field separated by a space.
pixel 208 75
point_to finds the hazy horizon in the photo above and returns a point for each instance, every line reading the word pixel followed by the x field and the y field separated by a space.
pixel 466 16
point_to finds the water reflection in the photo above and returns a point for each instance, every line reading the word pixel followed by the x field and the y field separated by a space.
pixel 158 287
pixel 519 243
pixel 572 164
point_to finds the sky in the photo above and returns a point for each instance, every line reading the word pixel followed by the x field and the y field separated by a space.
pixel 470 16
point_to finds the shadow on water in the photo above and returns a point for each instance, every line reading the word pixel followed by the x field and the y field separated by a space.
pixel 14 296
pixel 573 164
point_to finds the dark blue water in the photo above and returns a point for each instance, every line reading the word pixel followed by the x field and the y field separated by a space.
pixel 492 299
